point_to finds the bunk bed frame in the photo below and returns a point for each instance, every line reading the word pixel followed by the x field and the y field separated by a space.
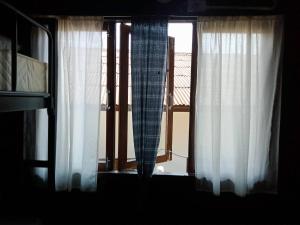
pixel 12 101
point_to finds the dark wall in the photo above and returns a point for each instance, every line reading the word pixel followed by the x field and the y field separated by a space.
pixel 146 7
pixel 289 170
pixel 11 139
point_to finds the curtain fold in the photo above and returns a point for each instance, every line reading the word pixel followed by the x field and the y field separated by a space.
pixel 148 72
pixel 78 102
pixel 238 75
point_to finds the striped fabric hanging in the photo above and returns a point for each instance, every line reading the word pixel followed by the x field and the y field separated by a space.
pixel 149 56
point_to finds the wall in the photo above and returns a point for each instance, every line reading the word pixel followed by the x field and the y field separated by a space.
pixel 289 166
pixel 145 8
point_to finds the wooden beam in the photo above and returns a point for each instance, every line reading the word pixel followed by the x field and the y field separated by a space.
pixel 123 96
pixel 111 88
pixel 170 97
pixel 181 108
pixel 191 158
pixel 131 164
pixel 176 108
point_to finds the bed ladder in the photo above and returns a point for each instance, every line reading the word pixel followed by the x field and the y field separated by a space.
pixel 49 101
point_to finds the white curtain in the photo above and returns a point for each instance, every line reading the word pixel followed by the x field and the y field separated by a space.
pixel 238 74
pixel 78 116
pixel 37 121
pixel 40 40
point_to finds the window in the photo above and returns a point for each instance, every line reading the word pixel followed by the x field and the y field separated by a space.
pixel 108 107
pixel 118 153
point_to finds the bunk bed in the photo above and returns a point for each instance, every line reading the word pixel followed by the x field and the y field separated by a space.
pixel 27 83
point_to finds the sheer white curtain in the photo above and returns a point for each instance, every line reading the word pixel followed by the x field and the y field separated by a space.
pixel 39 50
pixel 78 116
pixel 238 74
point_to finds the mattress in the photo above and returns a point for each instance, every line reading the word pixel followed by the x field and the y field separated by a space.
pixel 31 73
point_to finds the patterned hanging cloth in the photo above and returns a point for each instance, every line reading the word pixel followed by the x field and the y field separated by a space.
pixel 148 71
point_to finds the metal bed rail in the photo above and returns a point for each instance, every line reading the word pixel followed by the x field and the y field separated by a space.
pixel 18 15
pixel 20 101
